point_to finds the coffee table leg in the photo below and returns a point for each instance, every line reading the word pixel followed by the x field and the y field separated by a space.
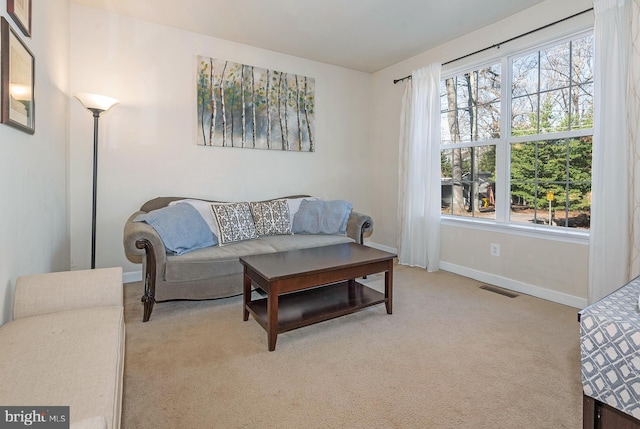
pixel 388 288
pixel 272 317
pixel 247 296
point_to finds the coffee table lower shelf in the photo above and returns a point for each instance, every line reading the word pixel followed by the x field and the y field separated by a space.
pixel 303 308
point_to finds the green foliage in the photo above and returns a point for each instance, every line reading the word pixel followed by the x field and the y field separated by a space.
pixel 445 164
pixel 559 166
pixel 487 161
pixel 562 167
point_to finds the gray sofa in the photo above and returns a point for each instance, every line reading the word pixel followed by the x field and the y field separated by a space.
pixel 215 271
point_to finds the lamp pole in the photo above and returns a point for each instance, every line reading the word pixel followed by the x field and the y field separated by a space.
pixel 96 104
pixel 96 117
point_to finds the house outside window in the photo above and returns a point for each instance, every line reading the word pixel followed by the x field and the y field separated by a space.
pixel 517 136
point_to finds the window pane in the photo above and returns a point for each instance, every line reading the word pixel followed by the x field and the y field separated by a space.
pixel 582 106
pixel 570 209
pixel 454 163
pixel 552 160
pixel 463 118
pixel 554 67
pixel 446 135
pixel 524 115
pixel 582 60
pixel 444 102
pixel 551 175
pixel 551 197
pixel 489 84
pixel 523 202
pixel 468 181
pixel 446 182
pixel 554 111
pixel 448 96
pixel 523 165
pixel 463 83
pixel 484 182
pixel 580 156
pixel 489 121
pixel 525 75
pixel 578 208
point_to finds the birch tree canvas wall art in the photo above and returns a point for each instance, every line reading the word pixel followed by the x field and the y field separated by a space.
pixel 251 107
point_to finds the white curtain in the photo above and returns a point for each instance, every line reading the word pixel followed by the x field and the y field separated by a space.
pixel 633 125
pixel 611 225
pixel 419 171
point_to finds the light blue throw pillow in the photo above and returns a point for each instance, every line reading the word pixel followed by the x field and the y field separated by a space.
pixel 322 217
pixel 180 227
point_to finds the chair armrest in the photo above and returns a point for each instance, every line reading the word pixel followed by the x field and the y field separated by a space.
pixel 359 224
pixel 53 292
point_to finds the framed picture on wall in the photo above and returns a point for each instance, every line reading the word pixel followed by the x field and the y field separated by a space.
pixel 17 74
pixel 20 11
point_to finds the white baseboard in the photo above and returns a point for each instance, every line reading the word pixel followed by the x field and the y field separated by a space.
pixel 134 276
pixel 514 285
pixel 381 247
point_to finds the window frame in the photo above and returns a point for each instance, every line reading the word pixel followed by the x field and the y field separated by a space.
pixel 502 222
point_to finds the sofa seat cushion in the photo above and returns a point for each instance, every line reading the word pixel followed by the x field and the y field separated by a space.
pixel 70 358
pixel 282 243
pixel 212 262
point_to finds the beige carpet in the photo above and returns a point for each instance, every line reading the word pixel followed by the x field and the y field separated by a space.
pixel 451 356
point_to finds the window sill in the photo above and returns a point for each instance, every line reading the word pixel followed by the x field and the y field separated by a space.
pixel 565 235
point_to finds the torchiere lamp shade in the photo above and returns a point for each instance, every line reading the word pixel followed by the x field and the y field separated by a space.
pixel 96 102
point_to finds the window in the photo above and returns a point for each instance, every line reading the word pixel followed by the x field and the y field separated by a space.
pixel 470 129
pixel 535 167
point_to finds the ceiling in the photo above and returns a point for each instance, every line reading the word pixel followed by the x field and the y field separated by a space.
pixel 365 35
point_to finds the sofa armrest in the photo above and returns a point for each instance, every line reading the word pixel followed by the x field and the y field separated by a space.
pixel 137 231
pixel 53 292
pixel 142 244
pixel 357 225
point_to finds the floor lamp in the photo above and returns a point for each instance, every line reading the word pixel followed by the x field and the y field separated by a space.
pixel 96 104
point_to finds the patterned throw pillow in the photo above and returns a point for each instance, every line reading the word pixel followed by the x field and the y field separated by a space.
pixel 235 222
pixel 271 217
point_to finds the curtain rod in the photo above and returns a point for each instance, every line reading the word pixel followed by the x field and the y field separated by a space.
pixel 497 45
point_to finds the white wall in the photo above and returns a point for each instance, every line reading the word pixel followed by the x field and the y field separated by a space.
pixel 545 268
pixel 147 142
pixel 33 168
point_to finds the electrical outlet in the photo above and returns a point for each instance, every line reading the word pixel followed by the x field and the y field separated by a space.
pixel 494 249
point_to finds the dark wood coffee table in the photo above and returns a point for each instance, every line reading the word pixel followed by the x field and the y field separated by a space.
pixel 291 280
